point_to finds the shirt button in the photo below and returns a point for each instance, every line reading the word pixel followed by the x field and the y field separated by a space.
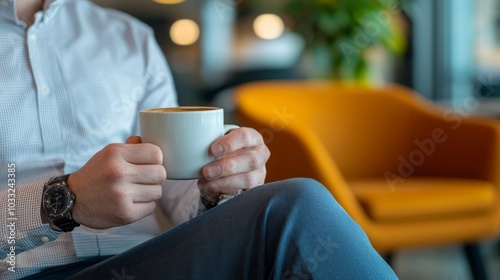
pixel 45 90
pixel 44 239
pixel 32 38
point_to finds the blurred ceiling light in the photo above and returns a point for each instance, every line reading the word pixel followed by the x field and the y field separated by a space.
pixel 268 26
pixel 184 32
pixel 168 1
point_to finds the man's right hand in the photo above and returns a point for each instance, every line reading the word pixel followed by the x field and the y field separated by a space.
pixel 119 185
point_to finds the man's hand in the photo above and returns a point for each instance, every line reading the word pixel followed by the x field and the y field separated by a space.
pixel 119 185
pixel 241 164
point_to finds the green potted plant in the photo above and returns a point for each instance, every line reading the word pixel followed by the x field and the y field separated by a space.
pixel 340 34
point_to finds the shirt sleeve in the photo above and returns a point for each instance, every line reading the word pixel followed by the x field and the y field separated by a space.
pixel 22 228
pixel 181 199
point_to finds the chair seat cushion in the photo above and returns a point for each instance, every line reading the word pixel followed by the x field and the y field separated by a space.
pixel 423 198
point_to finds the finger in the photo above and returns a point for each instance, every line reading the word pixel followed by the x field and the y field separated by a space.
pixel 146 174
pixel 143 153
pixel 137 212
pixel 212 189
pixel 146 193
pixel 145 209
pixel 246 160
pixel 237 139
pixel 134 140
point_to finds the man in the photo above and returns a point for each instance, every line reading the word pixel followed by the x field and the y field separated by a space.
pixel 72 78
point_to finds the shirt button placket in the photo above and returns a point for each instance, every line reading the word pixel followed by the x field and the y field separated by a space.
pixel 45 90
pixel 47 105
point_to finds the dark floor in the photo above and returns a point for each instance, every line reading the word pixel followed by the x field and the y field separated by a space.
pixel 444 263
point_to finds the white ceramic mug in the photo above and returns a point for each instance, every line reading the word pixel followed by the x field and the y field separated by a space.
pixel 184 134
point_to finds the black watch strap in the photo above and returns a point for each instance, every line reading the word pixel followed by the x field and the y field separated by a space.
pixel 65 224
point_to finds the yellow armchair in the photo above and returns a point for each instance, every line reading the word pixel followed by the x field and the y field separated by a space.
pixel 409 172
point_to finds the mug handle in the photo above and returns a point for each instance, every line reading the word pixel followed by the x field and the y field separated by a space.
pixel 229 127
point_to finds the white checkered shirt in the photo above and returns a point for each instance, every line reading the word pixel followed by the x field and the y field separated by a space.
pixel 71 84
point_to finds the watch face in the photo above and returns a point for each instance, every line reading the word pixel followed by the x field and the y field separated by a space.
pixel 56 201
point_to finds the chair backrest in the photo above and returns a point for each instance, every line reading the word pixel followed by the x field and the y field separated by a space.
pixel 355 123
pixel 366 130
pixel 337 133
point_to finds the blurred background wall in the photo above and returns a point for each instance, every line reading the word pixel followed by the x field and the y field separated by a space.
pixel 449 50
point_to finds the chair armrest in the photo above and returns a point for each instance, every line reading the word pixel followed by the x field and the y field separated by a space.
pixel 470 147
pixel 323 168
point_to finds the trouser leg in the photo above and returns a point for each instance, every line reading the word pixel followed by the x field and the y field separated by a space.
pixel 292 229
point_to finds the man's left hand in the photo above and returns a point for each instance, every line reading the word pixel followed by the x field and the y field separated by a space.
pixel 240 165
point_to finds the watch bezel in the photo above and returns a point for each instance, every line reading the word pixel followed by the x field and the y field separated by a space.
pixel 68 203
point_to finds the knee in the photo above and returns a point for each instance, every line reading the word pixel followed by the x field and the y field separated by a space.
pixel 307 200
pixel 302 186
pixel 303 191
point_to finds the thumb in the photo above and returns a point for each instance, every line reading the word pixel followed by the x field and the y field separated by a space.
pixel 134 140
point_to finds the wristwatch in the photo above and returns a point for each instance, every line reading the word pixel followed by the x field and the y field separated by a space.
pixel 58 202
